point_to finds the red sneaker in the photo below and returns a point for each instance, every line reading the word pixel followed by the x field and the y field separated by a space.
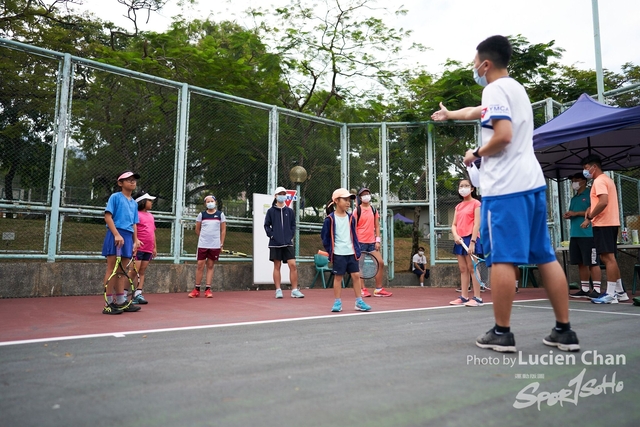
pixel 365 293
pixel 208 293
pixel 194 293
pixel 381 293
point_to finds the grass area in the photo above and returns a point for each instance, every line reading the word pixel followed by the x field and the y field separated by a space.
pixel 79 237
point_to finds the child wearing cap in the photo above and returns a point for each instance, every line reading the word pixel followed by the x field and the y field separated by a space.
pixel 211 229
pixel 368 230
pixel 280 226
pixel 121 217
pixel 341 243
pixel 147 237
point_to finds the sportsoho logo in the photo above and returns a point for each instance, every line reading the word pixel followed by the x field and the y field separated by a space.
pixel 579 387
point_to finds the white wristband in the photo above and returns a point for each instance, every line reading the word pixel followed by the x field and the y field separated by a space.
pixel 377 239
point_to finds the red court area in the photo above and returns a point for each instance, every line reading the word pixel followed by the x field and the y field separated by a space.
pixel 53 317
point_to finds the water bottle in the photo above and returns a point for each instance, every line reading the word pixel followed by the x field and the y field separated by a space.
pixel 625 235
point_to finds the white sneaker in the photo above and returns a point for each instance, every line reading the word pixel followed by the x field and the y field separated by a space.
pixel 622 296
pixel 606 299
pixel 296 294
pixel 278 293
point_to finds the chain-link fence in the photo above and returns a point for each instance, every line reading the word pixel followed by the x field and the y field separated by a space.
pixel 73 124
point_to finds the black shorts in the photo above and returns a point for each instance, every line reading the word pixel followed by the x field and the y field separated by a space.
pixel 143 256
pixel 582 250
pixel 281 254
pixel 606 239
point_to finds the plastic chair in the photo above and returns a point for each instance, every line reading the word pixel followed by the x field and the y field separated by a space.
pixel 322 266
pixel 527 273
pixel 636 275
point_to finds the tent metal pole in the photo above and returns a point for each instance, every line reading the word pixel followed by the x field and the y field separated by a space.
pixel 598 51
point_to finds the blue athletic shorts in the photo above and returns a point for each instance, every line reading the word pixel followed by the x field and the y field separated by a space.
pixel 459 250
pixel 143 256
pixel 367 247
pixel 109 245
pixel 514 229
pixel 345 264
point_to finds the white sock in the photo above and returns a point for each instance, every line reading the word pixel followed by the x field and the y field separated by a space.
pixel 138 292
pixel 585 285
pixel 516 283
pixel 611 288
pixel 421 284
pixel 596 286
pixel 619 287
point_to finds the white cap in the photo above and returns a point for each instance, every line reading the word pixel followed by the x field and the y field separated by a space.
pixel 280 190
pixel 145 196
pixel 474 175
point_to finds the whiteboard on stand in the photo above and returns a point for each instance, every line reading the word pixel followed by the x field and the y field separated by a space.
pixel 262 267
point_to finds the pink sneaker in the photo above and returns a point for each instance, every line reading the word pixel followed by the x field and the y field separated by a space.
pixel 208 293
pixel 381 293
pixel 194 293
pixel 474 302
pixel 459 301
pixel 365 293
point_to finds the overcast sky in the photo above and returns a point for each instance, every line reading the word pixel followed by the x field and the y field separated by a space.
pixel 453 28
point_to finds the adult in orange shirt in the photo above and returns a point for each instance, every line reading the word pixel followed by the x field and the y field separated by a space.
pixel 604 216
pixel 368 232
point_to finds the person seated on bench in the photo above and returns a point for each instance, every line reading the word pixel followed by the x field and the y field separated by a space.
pixel 420 265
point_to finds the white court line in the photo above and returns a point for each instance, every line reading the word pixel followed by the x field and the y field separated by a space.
pixel 582 310
pixel 223 325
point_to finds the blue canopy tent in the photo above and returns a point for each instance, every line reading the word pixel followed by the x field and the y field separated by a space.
pixel 400 217
pixel 588 127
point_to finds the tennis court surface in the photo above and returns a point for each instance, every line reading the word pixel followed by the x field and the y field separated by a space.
pixel 247 359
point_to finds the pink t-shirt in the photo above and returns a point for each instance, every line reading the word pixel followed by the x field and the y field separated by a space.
pixel 366 228
pixel 465 216
pixel 610 216
pixel 146 231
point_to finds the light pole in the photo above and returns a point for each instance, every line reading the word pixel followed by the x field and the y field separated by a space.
pixel 297 175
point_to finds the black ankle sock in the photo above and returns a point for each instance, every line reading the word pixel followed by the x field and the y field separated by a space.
pixel 562 327
pixel 501 329
pixel 207 287
pixel 198 288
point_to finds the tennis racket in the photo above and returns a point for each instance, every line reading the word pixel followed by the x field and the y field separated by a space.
pixel 234 253
pixel 111 280
pixel 368 265
pixel 133 274
pixel 116 274
pixel 480 269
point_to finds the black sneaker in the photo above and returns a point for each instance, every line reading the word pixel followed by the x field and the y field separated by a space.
pixel 129 307
pixel 565 341
pixel 111 308
pixel 504 343
pixel 593 294
pixel 580 294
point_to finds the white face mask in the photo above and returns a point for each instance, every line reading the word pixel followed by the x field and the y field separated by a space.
pixel 482 81
pixel 421 253
pixel 575 186
pixel 464 191
pixel 366 198
pixel 211 205
pixel 281 198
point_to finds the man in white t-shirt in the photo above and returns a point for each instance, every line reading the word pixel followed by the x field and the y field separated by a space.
pixel 514 207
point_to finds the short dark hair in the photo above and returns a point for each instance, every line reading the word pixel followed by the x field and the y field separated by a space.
pixel 497 49
pixel 578 175
pixel 421 248
pixel 592 159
